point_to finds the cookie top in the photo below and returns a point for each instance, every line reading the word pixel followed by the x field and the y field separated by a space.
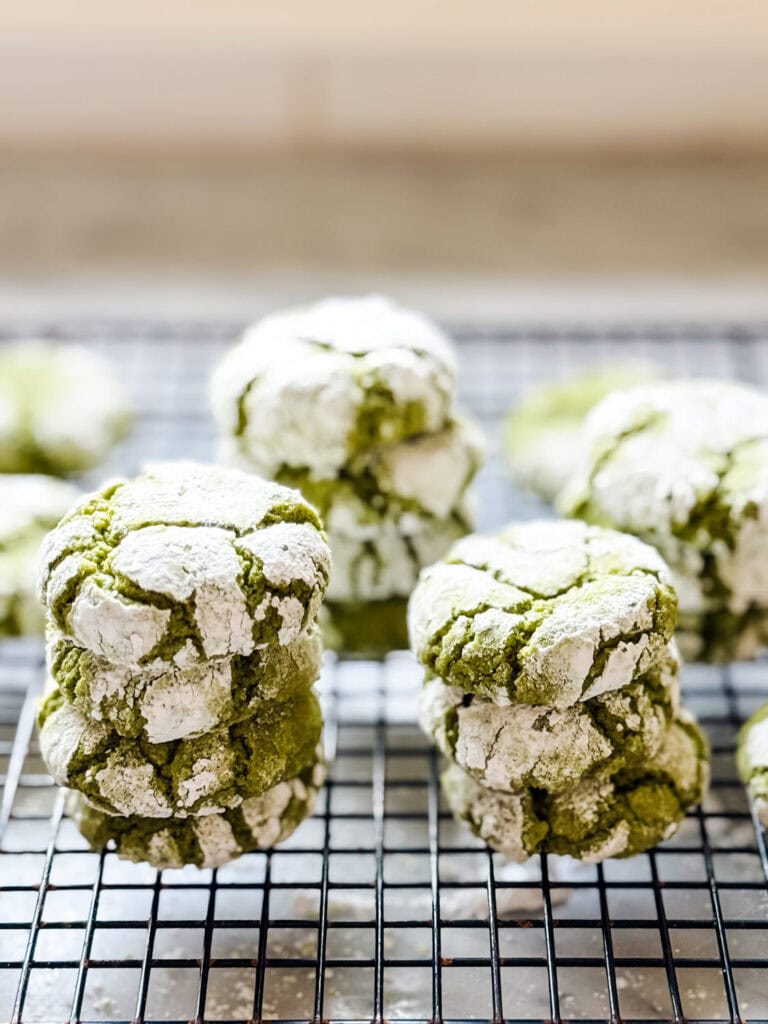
pixel 204 775
pixel 161 702
pixel 546 612
pixel 185 563
pixel 61 408
pixel 259 823
pixel 603 815
pixel 752 759
pixel 521 745
pixel 684 464
pixel 542 433
pixel 312 387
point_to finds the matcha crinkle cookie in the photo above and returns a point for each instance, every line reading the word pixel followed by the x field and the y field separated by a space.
pixel 195 776
pixel 187 562
pixel 355 408
pixel 213 840
pixel 61 408
pixel 163 701
pixel 30 505
pixel 542 434
pixel 552 688
pixel 183 645
pixel 515 746
pixel 545 612
pixel 752 760
pixel 604 814
pixel 312 387
pixel 684 466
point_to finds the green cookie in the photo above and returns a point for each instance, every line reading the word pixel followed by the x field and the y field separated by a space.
pixel 203 775
pixel 212 840
pixel 684 466
pixel 548 612
pixel 542 434
pixel 603 815
pixel 185 563
pixel 161 702
pixel 30 505
pixel 514 746
pixel 61 408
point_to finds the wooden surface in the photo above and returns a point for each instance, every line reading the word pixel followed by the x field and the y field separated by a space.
pixel 218 217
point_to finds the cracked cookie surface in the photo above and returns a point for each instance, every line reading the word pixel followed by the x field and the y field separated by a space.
pixel 542 433
pixel 61 408
pixel 30 505
pixel 204 775
pixel 752 760
pixel 313 387
pixel 185 562
pixel 603 815
pixel 513 747
pixel 684 466
pixel 259 823
pixel 161 702
pixel 545 612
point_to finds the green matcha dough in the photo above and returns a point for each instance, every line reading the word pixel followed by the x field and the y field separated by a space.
pixel 517 746
pixel 684 466
pixel 61 408
pixel 368 629
pixel 258 823
pixel 752 760
pixel 161 702
pixel 185 563
pixel 203 775
pixel 30 505
pixel 311 388
pixel 603 815
pixel 546 612
pixel 542 433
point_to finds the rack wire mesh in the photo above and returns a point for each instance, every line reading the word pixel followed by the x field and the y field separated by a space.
pixel 381 907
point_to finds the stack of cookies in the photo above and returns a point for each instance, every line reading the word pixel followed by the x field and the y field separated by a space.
pixel 684 466
pixel 552 688
pixel 353 403
pixel 182 652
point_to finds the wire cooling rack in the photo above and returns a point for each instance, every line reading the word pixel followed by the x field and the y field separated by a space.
pixel 381 907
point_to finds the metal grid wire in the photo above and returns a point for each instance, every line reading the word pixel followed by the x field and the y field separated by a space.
pixel 382 907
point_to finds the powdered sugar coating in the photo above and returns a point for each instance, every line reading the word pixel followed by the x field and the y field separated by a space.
pixel 546 612
pixel 311 387
pixel 185 554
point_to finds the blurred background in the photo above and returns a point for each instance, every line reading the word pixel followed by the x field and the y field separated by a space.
pixel 481 152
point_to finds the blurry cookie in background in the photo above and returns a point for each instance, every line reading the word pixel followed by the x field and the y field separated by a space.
pixel 684 466
pixel 542 433
pixel 30 505
pixel 62 408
